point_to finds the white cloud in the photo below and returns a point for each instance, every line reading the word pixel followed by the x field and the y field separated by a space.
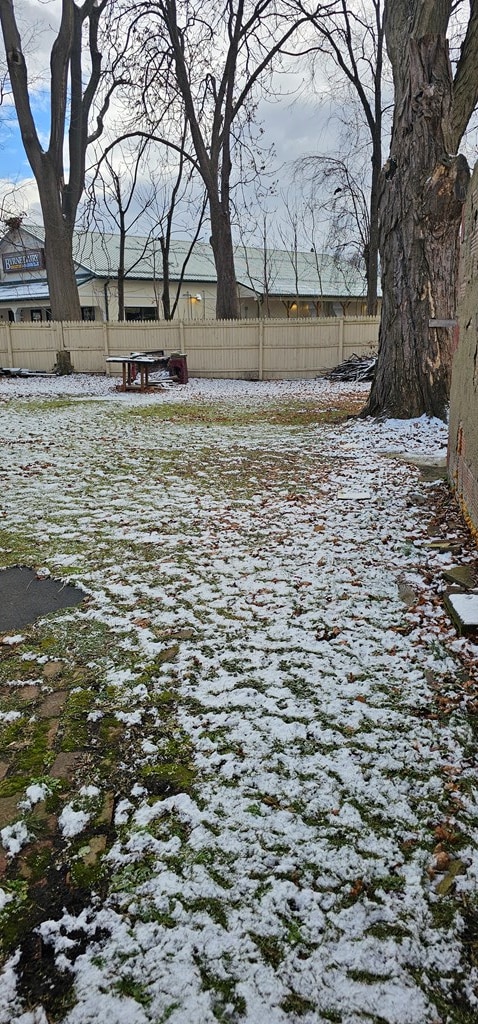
pixel 20 197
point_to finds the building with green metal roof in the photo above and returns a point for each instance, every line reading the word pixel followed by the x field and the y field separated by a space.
pixel 271 283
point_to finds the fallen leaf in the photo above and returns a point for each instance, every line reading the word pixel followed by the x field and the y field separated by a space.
pixel 442 861
pixel 445 832
pixel 457 867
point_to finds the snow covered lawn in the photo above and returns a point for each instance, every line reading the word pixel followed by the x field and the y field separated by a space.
pixel 265 689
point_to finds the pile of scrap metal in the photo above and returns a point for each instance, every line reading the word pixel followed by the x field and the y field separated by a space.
pixel 356 368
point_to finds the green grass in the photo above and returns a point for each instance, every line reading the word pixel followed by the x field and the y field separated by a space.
pixel 270 947
pixel 296 413
pixel 128 986
pixel 296 1004
pixel 223 995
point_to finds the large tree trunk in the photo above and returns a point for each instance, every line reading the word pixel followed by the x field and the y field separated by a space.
pixel 121 268
pixel 166 294
pixel 62 284
pixel 227 299
pixel 60 268
pixel 421 196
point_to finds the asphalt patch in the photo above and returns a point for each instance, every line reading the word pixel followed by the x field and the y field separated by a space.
pixel 24 597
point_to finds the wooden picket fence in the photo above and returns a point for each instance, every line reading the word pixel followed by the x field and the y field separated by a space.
pixel 244 349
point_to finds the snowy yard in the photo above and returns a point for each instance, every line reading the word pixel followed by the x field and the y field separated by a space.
pixel 239 781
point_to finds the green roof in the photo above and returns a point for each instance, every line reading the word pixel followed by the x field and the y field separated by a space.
pixel 280 273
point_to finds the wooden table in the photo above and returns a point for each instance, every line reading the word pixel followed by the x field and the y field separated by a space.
pixel 140 363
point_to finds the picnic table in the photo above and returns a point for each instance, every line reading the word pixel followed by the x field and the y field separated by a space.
pixel 141 364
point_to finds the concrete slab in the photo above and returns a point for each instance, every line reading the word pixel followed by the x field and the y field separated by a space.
pixel 24 597
pixel 461 575
pixel 354 494
pixel 463 609
pixel 454 546
pixel 431 467
pixel 438 461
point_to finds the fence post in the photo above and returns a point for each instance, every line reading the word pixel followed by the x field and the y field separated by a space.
pixel 9 343
pixel 261 350
pixel 106 338
pixel 341 340
pixel 182 343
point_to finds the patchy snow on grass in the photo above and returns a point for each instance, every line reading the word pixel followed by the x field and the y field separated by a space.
pixel 5 898
pixel 283 775
pixel 35 793
pixel 72 821
pixel 87 386
pixel 13 837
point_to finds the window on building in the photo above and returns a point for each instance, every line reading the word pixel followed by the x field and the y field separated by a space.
pixel 140 313
pixel 36 316
pixel 88 313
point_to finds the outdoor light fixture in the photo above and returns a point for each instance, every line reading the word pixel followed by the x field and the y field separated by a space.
pixel 192 300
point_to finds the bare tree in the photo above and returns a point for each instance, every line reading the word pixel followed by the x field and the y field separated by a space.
pixel 30 35
pixel 422 190
pixel 134 183
pixel 338 188
pixel 170 303
pixel 113 191
pixel 289 236
pixel 176 195
pixel 259 265
pixel 12 212
pixel 210 59
pixel 350 33
pixel 72 94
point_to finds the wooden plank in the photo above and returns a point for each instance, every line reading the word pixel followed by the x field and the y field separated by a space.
pixel 442 323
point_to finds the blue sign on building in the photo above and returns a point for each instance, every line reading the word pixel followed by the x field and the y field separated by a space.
pixel 16 262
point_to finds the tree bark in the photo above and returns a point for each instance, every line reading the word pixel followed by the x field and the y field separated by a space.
pixel 121 264
pixel 166 294
pixel 60 269
pixel 227 299
pixel 422 191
